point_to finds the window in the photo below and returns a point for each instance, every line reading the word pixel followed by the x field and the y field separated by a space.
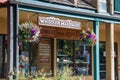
pixel 3 56
pixel 70 53
pixel 103 60
pixel 117 5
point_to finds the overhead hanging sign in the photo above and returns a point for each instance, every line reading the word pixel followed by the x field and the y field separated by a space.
pixel 56 22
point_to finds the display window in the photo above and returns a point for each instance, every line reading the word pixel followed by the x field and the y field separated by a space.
pixel 70 53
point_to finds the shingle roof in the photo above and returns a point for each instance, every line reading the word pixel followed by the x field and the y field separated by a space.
pixel 67 2
pixel 81 3
pixel 85 4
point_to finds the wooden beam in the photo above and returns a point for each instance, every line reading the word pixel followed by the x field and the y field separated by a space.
pixel 111 6
pixel 55 57
pixel 75 3
pixel 10 42
pixel 110 51
pixel 13 49
pixel 98 4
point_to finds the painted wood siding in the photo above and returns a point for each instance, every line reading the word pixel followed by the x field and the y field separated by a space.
pixel 117 5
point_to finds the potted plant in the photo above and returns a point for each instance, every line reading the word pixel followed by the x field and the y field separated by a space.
pixel 28 32
pixel 87 37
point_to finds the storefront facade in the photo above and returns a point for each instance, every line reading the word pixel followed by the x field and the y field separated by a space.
pixel 59 43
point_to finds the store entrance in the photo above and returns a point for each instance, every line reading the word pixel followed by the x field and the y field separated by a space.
pixel 103 61
pixel 70 53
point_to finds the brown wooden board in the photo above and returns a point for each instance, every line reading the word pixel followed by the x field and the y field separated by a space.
pixel 44 55
pixel 59 33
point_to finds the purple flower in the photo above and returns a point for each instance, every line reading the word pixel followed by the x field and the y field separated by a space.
pixel 33 31
pixel 91 36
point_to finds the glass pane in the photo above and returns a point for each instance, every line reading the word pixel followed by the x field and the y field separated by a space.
pixel 64 53
pixel 82 59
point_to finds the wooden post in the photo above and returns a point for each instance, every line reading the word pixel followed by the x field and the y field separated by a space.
pixel 10 49
pixel 75 3
pixel 16 44
pixel 98 4
pixel 111 6
pixel 96 52
pixel 110 51
pixel 55 57
pixel 13 50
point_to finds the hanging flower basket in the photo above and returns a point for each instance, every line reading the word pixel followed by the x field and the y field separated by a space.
pixel 87 37
pixel 28 32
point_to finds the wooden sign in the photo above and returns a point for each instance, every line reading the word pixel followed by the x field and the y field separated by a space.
pixel 56 22
pixel 44 52
pixel 60 33
pixel 47 32
pixel 67 34
pixel 44 55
